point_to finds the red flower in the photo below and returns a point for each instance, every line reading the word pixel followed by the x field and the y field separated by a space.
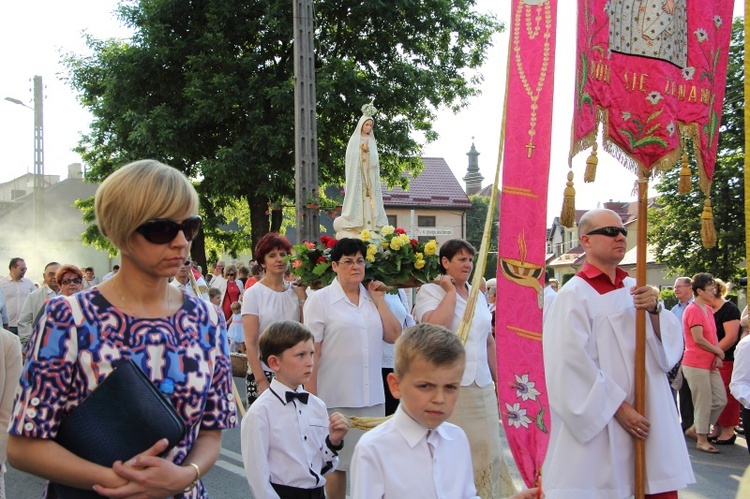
pixel 324 239
pixel 321 259
pixel 309 245
pixel 414 243
pixel 400 231
pixel 331 242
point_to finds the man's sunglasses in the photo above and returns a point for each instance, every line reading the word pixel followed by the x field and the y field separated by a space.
pixel 609 231
pixel 164 230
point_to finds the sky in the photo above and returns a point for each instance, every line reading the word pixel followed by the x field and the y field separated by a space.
pixel 35 35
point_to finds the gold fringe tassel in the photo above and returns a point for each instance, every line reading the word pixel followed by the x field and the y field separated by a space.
pixel 683 186
pixel 590 175
pixel 708 233
pixel 568 214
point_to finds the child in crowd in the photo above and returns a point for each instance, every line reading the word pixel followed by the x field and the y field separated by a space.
pixel 288 440
pixel 214 296
pixel 235 332
pixel 416 454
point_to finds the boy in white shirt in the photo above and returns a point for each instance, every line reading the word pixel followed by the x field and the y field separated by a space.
pixel 416 454
pixel 288 440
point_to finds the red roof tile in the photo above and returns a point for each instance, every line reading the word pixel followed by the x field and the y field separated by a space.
pixel 435 187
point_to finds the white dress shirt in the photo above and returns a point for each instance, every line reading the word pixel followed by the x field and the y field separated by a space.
pixel 3 309
pixel 351 350
pixel 740 384
pixel 394 461
pixel 549 298
pixel 285 442
pixel 15 295
pixel 400 308
pixel 477 366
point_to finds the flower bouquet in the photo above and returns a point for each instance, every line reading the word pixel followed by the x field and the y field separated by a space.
pixel 392 257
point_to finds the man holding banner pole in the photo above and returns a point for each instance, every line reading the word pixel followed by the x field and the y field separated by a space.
pixel 589 347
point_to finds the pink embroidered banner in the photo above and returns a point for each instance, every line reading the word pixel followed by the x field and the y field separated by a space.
pixel 522 235
pixel 653 72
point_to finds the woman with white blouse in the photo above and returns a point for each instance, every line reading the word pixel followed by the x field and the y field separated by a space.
pixel 271 299
pixel 349 323
pixel 477 409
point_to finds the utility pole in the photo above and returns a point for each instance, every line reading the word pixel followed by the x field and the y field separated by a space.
pixel 305 123
pixel 38 156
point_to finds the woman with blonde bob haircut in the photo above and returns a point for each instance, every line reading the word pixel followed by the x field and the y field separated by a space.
pixel 149 211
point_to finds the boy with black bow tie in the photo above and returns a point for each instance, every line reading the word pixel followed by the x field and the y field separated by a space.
pixel 288 440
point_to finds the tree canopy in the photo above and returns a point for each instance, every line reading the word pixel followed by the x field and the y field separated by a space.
pixel 475 220
pixel 207 86
pixel 675 222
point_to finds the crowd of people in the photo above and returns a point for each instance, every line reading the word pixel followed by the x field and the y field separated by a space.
pixel 317 360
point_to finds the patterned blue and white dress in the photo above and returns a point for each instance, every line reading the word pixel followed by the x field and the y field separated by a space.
pixel 73 348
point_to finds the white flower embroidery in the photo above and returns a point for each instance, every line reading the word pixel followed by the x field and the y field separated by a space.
pixel 688 72
pixel 517 416
pixel 654 97
pixel 717 21
pixel 626 115
pixel 701 34
pixel 670 128
pixel 524 388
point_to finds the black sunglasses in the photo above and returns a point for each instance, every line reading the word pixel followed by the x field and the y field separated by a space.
pixel 71 280
pixel 164 230
pixel 609 231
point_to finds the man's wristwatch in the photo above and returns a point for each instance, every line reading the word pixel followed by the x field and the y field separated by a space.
pixel 657 310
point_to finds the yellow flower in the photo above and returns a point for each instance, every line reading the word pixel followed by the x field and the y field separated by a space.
pixel 419 264
pixel 387 230
pixel 372 249
pixel 364 235
pixel 396 243
pixel 385 244
pixel 370 258
pixel 430 248
pixel 404 239
pixel 418 256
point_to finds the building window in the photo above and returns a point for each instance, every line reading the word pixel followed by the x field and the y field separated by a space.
pixel 392 220
pixel 425 221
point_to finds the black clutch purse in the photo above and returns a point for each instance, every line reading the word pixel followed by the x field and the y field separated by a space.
pixel 125 415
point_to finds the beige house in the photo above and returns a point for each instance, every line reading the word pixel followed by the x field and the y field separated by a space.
pixel 434 207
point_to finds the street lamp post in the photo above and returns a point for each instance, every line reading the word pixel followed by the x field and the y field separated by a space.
pixel 38 205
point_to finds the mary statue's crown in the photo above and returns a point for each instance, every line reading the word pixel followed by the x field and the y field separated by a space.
pixel 369 109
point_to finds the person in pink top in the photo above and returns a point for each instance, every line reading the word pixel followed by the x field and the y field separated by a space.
pixel 702 361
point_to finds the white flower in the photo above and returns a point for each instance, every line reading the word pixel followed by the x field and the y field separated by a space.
pixel 701 34
pixel 688 72
pixel 654 97
pixel 626 115
pixel 717 21
pixel 517 416
pixel 524 388
pixel 670 128
pixel 387 230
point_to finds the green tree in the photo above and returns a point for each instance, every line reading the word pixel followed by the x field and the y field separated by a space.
pixel 676 220
pixel 475 220
pixel 207 86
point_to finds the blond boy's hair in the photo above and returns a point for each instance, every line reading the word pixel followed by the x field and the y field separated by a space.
pixel 435 344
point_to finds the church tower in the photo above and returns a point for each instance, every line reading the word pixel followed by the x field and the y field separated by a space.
pixel 473 178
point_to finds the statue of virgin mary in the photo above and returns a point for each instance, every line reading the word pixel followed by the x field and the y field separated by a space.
pixel 363 196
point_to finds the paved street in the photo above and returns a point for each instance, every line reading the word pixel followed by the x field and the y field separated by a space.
pixel 717 475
